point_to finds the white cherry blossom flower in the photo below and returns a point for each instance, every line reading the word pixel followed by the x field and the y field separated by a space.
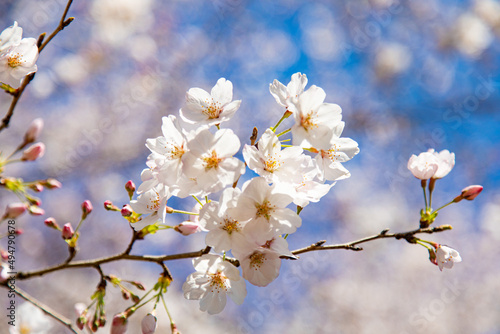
pixel 266 208
pixel 315 121
pixel 30 319
pixel 446 162
pixel 214 108
pixel 10 36
pixel 330 160
pixel 260 262
pixel 167 150
pixel 210 159
pixel 212 281
pixel 152 202
pixel 224 231
pixel 285 95
pixel 446 257
pixel 270 162
pixel 423 166
pixel 18 61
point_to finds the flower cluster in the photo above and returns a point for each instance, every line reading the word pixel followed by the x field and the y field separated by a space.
pixel 17 56
pixel 195 156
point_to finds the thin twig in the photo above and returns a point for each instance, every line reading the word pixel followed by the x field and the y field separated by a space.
pixel 63 320
pixel 27 79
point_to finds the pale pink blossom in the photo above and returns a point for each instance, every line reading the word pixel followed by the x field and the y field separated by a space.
pixel 213 280
pixel 446 257
pixel 331 157
pixel 285 95
pixel 446 161
pixel 10 36
pixel 152 202
pixel 33 131
pixel 423 166
pixel 210 108
pixel 14 210
pixel 17 61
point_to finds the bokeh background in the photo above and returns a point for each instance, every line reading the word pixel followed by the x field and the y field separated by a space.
pixel 409 75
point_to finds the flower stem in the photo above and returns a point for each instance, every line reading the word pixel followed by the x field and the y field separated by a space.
pixel 444 206
pixel 425 194
pixel 284 132
pixel 285 116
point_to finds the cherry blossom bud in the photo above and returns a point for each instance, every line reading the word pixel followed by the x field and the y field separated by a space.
pixel 148 324
pixel 187 227
pixel 14 210
pixel 33 152
pixel 4 269
pixel 81 313
pixel 471 192
pixel 19 231
pixel 86 208
pixel 108 205
pixel 432 256
pixel 67 231
pixel 119 324
pixel 130 187
pixel 127 210
pixel 52 183
pixel 33 131
pixel 37 187
pixel 51 222
pixel 4 254
pixel 36 210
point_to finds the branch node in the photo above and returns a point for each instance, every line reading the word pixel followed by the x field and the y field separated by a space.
pixel 384 231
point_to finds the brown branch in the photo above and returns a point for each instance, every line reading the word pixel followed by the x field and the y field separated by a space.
pixel 408 236
pixel 47 310
pixel 63 23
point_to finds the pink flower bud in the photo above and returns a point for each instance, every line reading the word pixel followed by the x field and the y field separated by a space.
pixel 14 210
pixel 148 324
pixel 52 183
pixel 33 152
pixel 67 231
pixel 86 208
pixel 108 205
pixel 4 254
pixel 469 193
pixel 36 210
pixel 51 222
pixel 37 187
pixel 119 324
pixel 187 227
pixel 130 187
pixel 19 231
pixel 127 210
pixel 33 131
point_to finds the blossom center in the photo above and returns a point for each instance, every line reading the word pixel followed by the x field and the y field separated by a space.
pixel 218 281
pixel 213 110
pixel 211 161
pixel 272 164
pixel 15 60
pixel 231 225
pixel 308 121
pixel 176 152
pixel 332 153
pixel 265 209
pixel 257 260
pixel 24 329
pixel 154 202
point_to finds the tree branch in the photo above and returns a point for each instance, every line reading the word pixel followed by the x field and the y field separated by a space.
pixel 63 23
pixel 47 310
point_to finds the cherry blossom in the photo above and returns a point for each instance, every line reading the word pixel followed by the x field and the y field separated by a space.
pixel 18 61
pixel 330 159
pixel 210 159
pixel 423 166
pixel 10 36
pixel 315 121
pixel 214 108
pixel 446 161
pixel 153 202
pixel 30 319
pixel 224 231
pixel 212 281
pixel 269 161
pixel 285 95
pixel 446 257
pixel 266 208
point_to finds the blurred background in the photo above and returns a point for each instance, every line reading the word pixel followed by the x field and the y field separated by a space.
pixel 409 75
